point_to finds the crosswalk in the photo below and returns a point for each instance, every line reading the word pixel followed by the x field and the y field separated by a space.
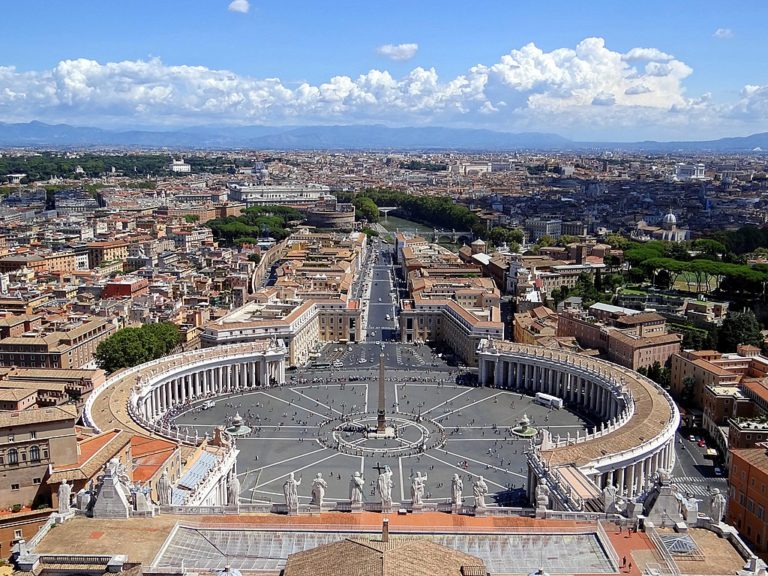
pixel 699 486
pixel 412 359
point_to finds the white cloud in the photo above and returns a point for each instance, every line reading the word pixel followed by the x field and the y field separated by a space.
pixel 576 90
pixel 241 6
pixel 398 51
pixel 723 33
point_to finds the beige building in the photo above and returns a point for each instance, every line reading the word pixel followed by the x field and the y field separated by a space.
pixel 31 441
pixel 71 345
pixel 309 304
pixel 633 339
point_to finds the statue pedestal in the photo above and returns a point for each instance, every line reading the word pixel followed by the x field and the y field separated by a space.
pixel 315 509
pixel 455 508
pixel 356 507
pixel 293 511
pixel 417 507
pixel 388 507
pixel 541 512
pixel 480 511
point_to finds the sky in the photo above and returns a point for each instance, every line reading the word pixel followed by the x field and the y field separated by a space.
pixel 591 70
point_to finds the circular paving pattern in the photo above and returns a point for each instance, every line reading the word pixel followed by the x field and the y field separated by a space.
pixel 440 429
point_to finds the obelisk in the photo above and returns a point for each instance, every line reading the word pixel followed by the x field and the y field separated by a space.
pixel 381 424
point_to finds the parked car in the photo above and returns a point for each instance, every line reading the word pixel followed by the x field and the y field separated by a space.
pixel 692 438
pixel 718 471
pixel 702 443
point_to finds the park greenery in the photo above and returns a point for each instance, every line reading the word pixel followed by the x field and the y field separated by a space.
pixel 254 223
pixel 419 165
pixel 436 211
pixel 131 346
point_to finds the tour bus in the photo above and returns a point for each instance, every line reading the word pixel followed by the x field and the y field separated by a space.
pixel 547 400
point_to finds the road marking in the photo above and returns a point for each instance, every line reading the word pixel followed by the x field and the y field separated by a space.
pixel 505 470
pixel 297 470
pixel 462 470
pixel 291 458
pixel 323 416
pixel 316 401
pixel 446 402
pixel 465 407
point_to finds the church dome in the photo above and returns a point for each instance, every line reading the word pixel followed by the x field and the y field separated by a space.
pixel 670 220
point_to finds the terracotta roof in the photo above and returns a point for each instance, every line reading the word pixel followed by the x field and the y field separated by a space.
pixel 25 417
pixel 95 452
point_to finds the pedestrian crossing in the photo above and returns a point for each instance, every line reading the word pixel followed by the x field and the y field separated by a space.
pixel 698 486
pixel 411 359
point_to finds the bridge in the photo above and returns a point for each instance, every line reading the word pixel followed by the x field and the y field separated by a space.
pixel 453 235
pixel 386 210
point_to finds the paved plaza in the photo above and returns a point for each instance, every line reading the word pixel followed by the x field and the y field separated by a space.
pixel 286 434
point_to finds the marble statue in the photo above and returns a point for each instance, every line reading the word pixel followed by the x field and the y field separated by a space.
pixel 65 490
pixel 233 490
pixel 457 486
pixel 164 490
pixel 356 485
pixel 480 491
pixel 716 505
pixel 290 490
pixel 418 485
pixel 318 490
pixel 384 484
pixel 83 500
pixel 542 495
pixel 610 493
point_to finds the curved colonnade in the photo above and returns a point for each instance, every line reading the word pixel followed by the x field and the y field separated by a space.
pixel 635 437
pixel 638 420
pixel 138 398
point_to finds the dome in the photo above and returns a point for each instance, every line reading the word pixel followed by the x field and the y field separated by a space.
pixel 670 219
pixel 478 242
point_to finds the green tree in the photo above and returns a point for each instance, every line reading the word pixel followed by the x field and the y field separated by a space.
pixel 122 349
pixel 739 328
pixel 191 218
pixel 132 346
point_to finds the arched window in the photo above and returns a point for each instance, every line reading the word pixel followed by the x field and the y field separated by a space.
pixel 34 454
pixel 13 456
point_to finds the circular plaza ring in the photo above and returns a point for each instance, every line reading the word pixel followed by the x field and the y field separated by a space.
pixel 354 434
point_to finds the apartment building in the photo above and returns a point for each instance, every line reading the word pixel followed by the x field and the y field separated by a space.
pixel 450 303
pixel 748 495
pixel 627 337
pixel 309 304
pixel 106 251
pixel 30 442
pixel 70 345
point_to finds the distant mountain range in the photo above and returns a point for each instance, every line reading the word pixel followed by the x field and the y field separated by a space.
pixel 363 137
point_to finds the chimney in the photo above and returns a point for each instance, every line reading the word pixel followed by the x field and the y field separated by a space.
pixel 385 530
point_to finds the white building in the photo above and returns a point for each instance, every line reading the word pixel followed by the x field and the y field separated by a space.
pixel 290 194
pixel 685 171
pixel 179 166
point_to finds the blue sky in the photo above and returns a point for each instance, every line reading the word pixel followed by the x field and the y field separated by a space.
pixel 574 68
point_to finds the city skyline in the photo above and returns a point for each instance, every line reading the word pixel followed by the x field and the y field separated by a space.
pixel 590 72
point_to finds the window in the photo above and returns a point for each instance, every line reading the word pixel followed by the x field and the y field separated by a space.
pixel 11 437
pixel 14 486
pixel 36 480
pixel 17 534
pixel 13 456
pixel 34 454
pixel 33 435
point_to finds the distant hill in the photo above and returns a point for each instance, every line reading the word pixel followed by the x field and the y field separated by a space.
pixel 371 137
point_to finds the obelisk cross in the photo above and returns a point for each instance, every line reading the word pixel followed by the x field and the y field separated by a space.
pixel 381 424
